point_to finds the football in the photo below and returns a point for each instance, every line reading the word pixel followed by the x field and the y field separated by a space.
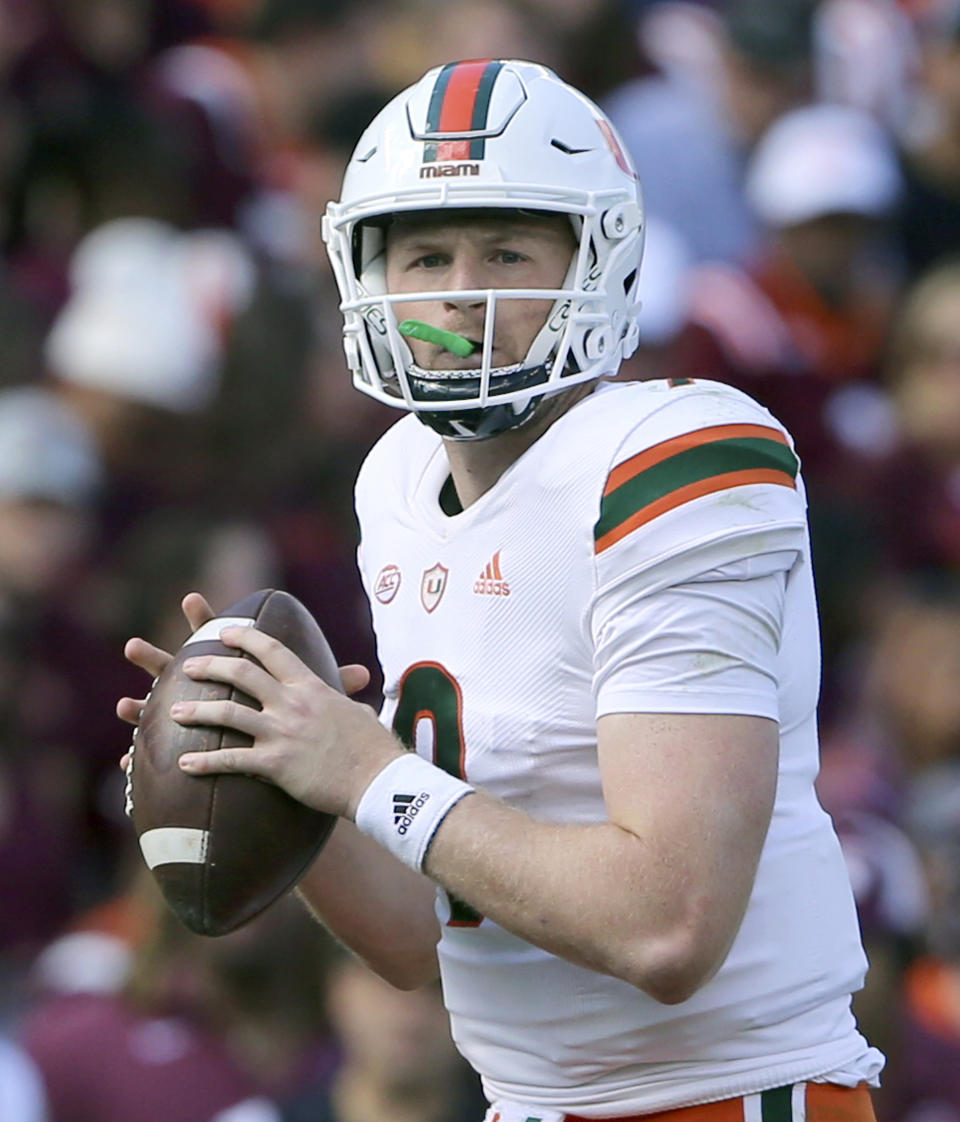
pixel 222 848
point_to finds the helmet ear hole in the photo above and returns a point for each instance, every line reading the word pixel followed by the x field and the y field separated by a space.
pixel 597 344
pixel 620 221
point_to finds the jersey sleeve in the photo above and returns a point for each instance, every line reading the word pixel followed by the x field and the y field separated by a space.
pixel 707 646
pixel 702 516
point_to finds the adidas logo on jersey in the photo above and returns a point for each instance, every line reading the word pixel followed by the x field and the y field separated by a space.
pixel 406 808
pixel 491 582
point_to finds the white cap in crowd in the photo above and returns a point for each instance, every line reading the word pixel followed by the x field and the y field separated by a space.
pixel 147 310
pixel 819 160
pixel 45 449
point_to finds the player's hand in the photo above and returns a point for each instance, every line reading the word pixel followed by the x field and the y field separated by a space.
pixel 153 659
pixel 322 748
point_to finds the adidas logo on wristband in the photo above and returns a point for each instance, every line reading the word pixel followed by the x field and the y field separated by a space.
pixel 403 806
pixel 406 808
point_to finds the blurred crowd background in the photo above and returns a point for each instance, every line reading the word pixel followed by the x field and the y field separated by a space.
pixel 175 414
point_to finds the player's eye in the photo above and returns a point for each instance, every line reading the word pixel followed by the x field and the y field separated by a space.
pixel 510 257
pixel 429 261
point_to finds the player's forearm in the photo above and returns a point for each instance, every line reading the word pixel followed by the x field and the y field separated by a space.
pixel 598 896
pixel 381 910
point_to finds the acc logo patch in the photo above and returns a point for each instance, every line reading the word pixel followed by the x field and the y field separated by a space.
pixel 387 584
pixel 433 584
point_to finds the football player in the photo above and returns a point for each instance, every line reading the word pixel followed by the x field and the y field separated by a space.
pixel 589 799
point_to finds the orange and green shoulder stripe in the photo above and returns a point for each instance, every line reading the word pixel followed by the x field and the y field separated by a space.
pixel 675 471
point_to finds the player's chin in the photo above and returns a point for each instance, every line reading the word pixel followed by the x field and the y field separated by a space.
pixel 444 361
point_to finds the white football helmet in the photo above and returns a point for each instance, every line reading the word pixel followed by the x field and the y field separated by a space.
pixel 481 135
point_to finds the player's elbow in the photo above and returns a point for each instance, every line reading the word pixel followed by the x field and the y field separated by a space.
pixel 673 984
pixel 672 969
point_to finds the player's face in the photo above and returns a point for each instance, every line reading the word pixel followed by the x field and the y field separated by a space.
pixel 444 254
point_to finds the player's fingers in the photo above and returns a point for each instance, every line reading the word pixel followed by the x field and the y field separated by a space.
pixel 246 760
pixel 354 677
pixel 240 672
pixel 225 714
pixel 129 709
pixel 277 659
pixel 146 655
pixel 125 761
pixel 196 609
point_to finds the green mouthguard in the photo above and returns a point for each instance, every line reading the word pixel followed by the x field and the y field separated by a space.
pixel 455 344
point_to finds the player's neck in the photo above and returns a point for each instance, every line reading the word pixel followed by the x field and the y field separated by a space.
pixel 476 465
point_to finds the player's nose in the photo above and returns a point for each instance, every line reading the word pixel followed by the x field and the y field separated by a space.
pixel 465 275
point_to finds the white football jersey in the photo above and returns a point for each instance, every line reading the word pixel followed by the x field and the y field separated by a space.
pixel 575 587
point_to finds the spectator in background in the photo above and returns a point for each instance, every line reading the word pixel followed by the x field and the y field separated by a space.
pixel 132 355
pixel 930 217
pixel 594 42
pixel 179 1028
pixel 916 497
pixel 892 899
pixel 49 472
pixel 899 719
pixel 136 353
pixel 171 548
pixel 910 678
pixel 85 53
pixel 889 778
pixel 926 1083
pixel 74 173
pixel 890 889
pixel 691 128
pixel 396 1059
pixel 811 305
pixel 768 54
pixel 865 54
pixel 459 29
pixel 248 101
pixel 88 137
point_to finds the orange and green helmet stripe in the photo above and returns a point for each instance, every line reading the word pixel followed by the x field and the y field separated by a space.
pixel 686 467
pixel 459 103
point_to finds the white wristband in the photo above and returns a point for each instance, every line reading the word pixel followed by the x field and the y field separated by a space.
pixel 404 805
